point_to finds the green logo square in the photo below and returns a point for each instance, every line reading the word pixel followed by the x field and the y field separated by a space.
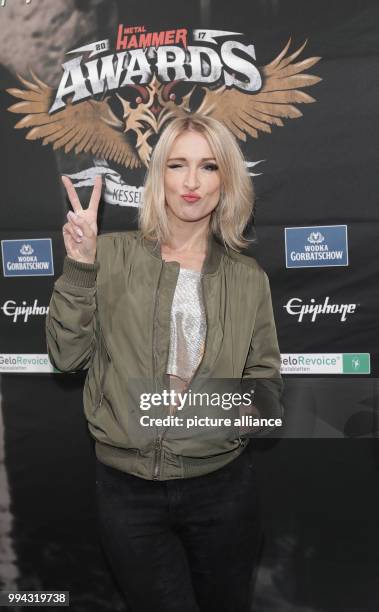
pixel 356 363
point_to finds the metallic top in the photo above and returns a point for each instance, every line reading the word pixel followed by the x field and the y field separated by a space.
pixel 188 325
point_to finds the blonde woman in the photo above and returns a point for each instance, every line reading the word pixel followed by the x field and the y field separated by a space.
pixel 170 304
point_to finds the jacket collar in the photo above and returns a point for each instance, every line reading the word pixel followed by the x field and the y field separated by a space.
pixel 212 259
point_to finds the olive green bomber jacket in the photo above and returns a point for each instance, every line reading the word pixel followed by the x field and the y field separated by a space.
pixel 112 318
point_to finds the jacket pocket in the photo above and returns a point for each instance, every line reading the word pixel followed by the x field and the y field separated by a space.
pixel 105 362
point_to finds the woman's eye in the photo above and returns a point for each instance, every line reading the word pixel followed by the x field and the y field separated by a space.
pixel 208 167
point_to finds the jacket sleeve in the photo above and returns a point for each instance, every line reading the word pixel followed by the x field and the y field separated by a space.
pixel 263 361
pixel 71 319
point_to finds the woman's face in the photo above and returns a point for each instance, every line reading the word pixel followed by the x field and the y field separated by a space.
pixel 191 170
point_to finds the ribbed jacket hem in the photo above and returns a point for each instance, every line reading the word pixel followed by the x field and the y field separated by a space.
pixel 133 462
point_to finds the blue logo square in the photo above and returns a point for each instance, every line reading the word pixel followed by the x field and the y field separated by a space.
pixel 27 257
pixel 316 246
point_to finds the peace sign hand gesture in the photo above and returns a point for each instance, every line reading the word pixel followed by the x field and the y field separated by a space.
pixel 80 232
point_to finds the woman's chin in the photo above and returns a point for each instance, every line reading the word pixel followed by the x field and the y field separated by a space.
pixel 191 215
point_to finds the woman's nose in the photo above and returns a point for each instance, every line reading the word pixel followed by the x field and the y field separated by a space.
pixel 191 180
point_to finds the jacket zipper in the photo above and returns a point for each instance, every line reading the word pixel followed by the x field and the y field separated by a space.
pixel 206 331
pixel 158 440
pixel 205 339
pixel 158 452
pixel 154 330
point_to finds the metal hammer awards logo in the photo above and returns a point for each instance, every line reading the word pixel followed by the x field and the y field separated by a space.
pixel 114 97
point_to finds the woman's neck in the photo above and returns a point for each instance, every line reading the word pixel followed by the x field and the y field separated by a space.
pixel 187 237
pixel 189 249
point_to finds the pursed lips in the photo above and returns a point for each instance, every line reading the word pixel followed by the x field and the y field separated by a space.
pixel 190 197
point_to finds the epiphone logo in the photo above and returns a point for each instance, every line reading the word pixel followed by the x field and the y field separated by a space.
pixel 297 308
pixel 11 309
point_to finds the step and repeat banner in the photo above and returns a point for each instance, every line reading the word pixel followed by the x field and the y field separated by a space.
pixel 305 123
pixel 87 88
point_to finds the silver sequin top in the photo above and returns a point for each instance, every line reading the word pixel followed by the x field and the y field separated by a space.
pixel 188 325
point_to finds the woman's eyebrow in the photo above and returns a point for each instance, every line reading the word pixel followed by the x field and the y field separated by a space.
pixel 185 159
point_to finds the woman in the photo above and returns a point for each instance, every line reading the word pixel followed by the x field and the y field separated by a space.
pixel 171 306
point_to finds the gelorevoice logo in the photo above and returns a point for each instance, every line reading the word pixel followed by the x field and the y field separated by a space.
pixel 23 312
pixel 26 257
pixel 297 308
pixel 309 247
pixel 325 363
pixel 26 362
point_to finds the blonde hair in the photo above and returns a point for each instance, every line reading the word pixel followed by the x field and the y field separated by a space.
pixel 232 213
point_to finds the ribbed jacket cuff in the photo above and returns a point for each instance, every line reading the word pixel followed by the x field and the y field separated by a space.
pixel 79 273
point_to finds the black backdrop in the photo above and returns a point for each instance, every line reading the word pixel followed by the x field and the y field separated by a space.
pixel 319 491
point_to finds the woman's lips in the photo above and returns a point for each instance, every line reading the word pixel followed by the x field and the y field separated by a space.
pixel 189 198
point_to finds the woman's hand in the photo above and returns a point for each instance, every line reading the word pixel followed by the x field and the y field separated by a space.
pixel 80 232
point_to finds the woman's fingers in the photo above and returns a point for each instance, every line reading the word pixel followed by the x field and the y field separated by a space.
pixel 72 232
pixel 93 206
pixel 96 194
pixel 72 195
pixel 80 225
pixel 80 232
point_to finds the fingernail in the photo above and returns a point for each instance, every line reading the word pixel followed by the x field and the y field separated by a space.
pixel 79 231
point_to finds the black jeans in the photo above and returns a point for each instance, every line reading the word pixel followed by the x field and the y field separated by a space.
pixel 184 545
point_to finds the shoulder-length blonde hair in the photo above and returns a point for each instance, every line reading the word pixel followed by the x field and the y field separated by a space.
pixel 231 215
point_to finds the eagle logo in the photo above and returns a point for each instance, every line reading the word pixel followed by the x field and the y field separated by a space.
pixel 316 238
pixel 92 126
